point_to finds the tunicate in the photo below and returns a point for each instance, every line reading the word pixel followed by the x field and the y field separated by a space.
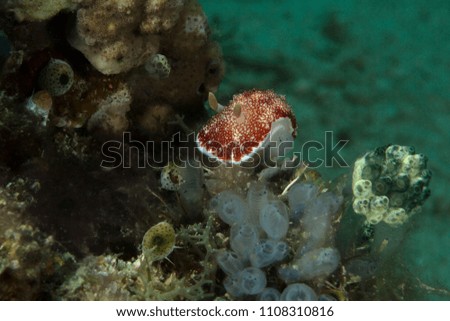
pixel 361 205
pixel 298 292
pixel 171 177
pixel 229 262
pixel 397 191
pixel 269 294
pixel 158 66
pixel 289 273
pixel 158 241
pixel 318 263
pixel 57 77
pixel 362 188
pixel 281 251
pixel 318 218
pixel 232 286
pixel 299 196
pixel 243 238
pixel 379 204
pixel 274 219
pixel 401 183
pixel 230 207
pixel 396 216
pixel 382 185
pixel 326 203
pixel 267 252
pixel 252 280
pixel 399 152
pixel 257 198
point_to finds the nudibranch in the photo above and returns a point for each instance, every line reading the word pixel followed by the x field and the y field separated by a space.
pixel 247 125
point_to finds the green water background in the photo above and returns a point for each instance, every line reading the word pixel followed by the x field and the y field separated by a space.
pixel 373 72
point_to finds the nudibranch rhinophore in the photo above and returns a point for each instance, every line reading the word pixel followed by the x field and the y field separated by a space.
pixel 247 125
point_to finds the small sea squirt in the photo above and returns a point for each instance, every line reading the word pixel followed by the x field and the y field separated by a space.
pixel 158 242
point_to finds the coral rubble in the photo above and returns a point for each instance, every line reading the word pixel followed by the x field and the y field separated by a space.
pixel 160 50
pixel 32 264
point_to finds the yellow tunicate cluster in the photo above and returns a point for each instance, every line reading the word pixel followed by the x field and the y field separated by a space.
pixel 390 184
pixel 158 242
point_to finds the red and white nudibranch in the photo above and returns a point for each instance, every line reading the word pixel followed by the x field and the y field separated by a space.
pixel 246 125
